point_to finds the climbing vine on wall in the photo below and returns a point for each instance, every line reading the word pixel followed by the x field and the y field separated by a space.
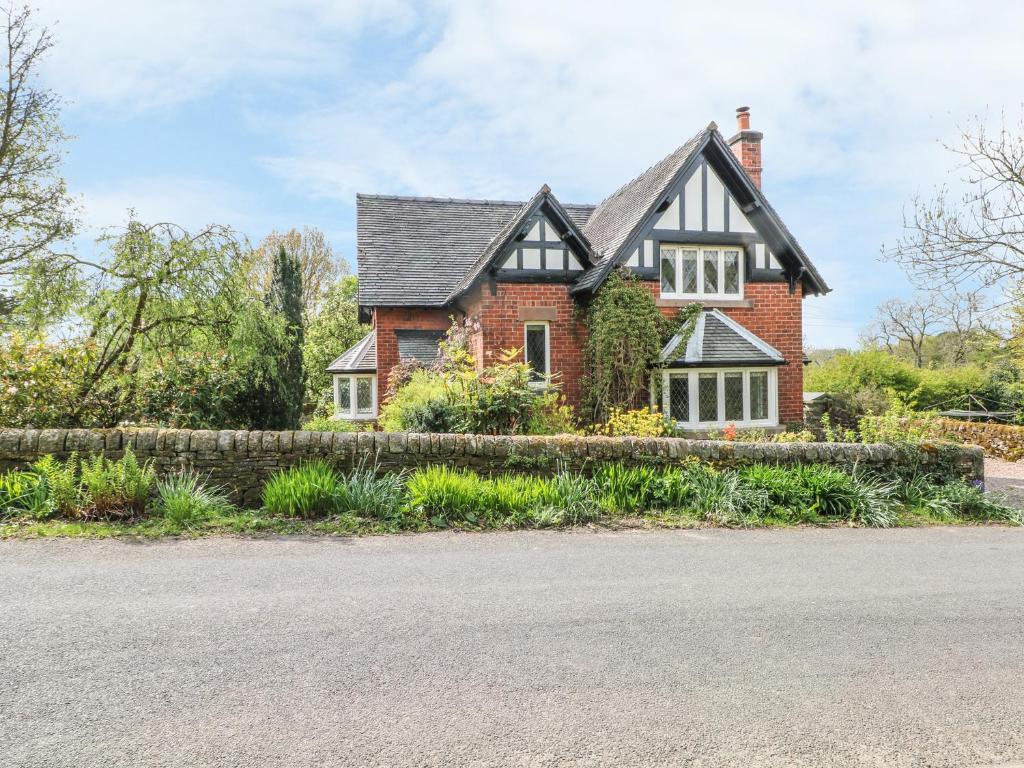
pixel 625 334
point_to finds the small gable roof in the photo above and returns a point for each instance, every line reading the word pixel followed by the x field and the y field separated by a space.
pixel 718 340
pixel 415 251
pixel 361 357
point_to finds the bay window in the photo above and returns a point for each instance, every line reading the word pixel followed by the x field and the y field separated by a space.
pixel 691 271
pixel 355 396
pixel 702 398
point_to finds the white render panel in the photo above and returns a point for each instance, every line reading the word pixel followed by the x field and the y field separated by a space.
pixel 511 262
pixel 554 258
pixel 760 260
pixel 738 222
pixel 693 197
pixel 634 260
pixel 550 233
pixel 716 203
pixel 670 218
pixel 534 232
pixel 574 262
pixel 649 253
pixel 531 258
pixel 773 262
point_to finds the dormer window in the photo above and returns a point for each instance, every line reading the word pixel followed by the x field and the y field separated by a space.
pixel 701 272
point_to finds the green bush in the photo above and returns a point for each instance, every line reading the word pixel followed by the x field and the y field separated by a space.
pixel 308 491
pixel 325 424
pixel 423 404
pixel 185 500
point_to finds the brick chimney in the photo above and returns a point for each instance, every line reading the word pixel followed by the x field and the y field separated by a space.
pixel 746 145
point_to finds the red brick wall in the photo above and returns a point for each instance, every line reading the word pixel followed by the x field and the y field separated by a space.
pixel 777 318
pixel 387 319
pixel 501 327
pixel 748 152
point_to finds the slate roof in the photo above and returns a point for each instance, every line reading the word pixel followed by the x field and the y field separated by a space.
pixel 361 357
pixel 718 340
pixel 420 345
pixel 619 215
pixel 414 251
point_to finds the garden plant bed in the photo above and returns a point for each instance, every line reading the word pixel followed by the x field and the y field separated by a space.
pixel 99 497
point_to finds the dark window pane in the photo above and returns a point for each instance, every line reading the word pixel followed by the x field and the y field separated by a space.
pixel 731 272
pixel 668 270
pixel 734 397
pixel 345 394
pixel 710 271
pixel 679 397
pixel 759 394
pixel 707 397
pixel 689 272
pixel 536 351
pixel 364 395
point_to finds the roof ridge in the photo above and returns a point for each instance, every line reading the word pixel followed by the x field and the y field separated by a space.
pixel 482 201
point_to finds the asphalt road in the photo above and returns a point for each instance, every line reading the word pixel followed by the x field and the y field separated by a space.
pixel 717 648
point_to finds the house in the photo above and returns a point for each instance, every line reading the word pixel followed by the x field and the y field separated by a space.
pixel 695 228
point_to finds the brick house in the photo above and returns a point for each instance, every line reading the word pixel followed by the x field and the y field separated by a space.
pixel 695 228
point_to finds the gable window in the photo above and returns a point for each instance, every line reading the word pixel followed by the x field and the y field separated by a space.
pixel 537 352
pixel 692 271
pixel 712 398
pixel 355 396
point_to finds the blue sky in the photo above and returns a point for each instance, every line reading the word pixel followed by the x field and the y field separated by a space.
pixel 271 114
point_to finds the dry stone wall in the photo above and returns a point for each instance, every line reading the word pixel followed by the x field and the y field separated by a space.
pixel 242 461
pixel 1001 441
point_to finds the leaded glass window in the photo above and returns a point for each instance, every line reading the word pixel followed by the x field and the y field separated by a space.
pixel 536 351
pixel 758 395
pixel 707 397
pixel 668 270
pixel 689 272
pixel 344 394
pixel 734 396
pixel 679 397
pixel 731 272
pixel 364 395
pixel 710 271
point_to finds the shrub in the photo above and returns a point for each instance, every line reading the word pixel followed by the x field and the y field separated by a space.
pixel 549 415
pixel 326 424
pixel 445 495
pixel 422 405
pixel 308 491
pixel 640 422
pixel 185 501
pixel 497 400
pixel 899 424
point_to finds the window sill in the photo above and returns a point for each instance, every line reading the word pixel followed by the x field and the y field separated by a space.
pixel 708 302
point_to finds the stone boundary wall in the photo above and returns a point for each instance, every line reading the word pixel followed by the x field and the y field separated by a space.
pixel 1001 441
pixel 242 461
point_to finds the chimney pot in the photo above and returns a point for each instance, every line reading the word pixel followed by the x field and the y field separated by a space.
pixel 743 118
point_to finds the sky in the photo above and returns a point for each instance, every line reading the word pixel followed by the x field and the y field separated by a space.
pixel 269 114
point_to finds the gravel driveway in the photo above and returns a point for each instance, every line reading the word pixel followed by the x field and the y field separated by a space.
pixel 1005 479
pixel 704 648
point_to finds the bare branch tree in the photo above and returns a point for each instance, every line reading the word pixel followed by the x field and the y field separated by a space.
pixel 36 211
pixel 320 267
pixel 979 238
pixel 905 322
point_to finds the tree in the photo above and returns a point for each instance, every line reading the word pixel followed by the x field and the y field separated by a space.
pixel 331 332
pixel 285 300
pixel 980 237
pixel 319 266
pixel 36 211
pixel 905 322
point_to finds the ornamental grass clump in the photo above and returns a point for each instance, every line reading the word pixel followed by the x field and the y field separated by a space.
pixel 626 490
pixel 185 501
pixel 367 494
pixel 24 493
pixel 308 491
pixel 445 496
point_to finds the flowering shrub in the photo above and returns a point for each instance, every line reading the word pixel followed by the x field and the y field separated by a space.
pixel 640 422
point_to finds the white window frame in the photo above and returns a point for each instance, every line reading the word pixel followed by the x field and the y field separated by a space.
pixel 694 395
pixel 352 413
pixel 542 383
pixel 701 294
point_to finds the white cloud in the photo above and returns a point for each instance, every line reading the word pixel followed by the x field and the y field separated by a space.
pixel 134 56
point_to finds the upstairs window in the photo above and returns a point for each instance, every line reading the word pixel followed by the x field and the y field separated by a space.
pixel 537 352
pixel 697 272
